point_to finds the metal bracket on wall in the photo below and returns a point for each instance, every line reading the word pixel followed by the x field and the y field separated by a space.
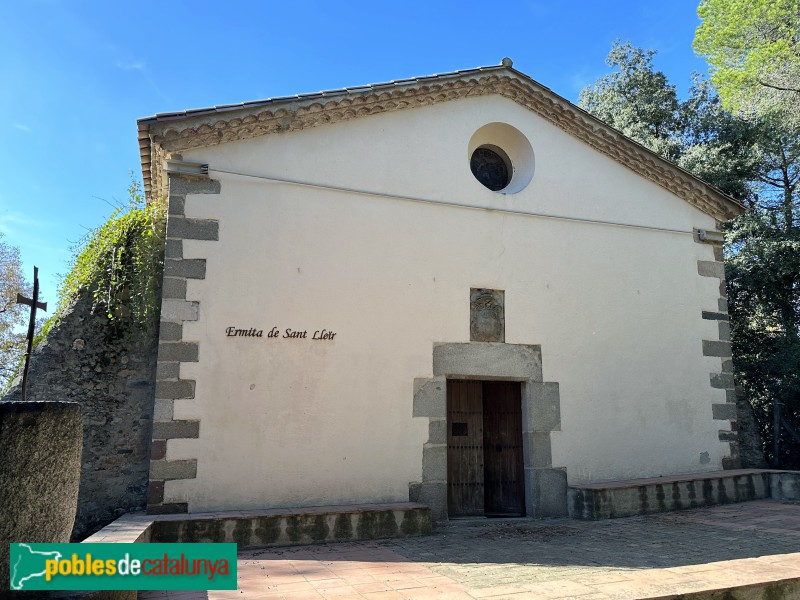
pixel 710 237
pixel 186 167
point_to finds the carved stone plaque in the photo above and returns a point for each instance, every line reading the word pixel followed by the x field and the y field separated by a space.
pixel 487 315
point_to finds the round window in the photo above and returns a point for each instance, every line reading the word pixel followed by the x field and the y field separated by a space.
pixel 491 168
pixel 501 158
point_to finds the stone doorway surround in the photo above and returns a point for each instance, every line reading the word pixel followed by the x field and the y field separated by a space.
pixel 545 486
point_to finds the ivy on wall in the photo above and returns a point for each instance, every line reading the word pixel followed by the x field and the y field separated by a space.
pixel 119 265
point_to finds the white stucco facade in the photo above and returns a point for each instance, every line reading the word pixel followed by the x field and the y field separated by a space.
pixel 303 422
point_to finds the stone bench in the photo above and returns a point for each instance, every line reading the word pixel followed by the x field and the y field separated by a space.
pixel 273 527
pixel 662 494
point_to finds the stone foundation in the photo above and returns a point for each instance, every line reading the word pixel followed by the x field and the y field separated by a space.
pixel 664 494
pixel 274 527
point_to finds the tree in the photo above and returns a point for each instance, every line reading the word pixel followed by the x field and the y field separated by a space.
pixel 698 134
pixel 763 269
pixel 13 317
pixel 753 48
pixel 636 99
pixel 716 145
pixel 763 272
pixel 757 161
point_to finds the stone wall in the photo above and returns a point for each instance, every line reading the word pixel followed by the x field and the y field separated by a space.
pixel 40 453
pixel 85 360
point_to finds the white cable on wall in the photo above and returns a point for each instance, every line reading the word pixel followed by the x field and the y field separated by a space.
pixel 508 211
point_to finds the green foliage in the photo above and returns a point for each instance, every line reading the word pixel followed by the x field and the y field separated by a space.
pixel 778 143
pixel 763 274
pixel 120 265
pixel 13 317
pixel 636 99
pixel 753 47
pixel 762 268
pixel 697 134
pixel 716 145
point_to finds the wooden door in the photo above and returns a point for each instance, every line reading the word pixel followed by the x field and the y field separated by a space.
pixel 465 494
pixel 504 471
pixel 485 472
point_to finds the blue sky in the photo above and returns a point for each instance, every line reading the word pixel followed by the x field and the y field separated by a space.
pixel 77 74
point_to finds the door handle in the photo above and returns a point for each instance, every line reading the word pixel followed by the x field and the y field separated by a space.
pixel 498 447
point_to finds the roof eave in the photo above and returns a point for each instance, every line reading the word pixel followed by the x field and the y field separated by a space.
pixel 566 115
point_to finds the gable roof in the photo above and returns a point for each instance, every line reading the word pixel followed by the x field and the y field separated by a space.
pixel 166 134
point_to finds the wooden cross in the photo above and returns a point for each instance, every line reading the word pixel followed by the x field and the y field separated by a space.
pixel 34 304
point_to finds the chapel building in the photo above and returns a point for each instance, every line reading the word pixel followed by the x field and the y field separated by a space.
pixel 460 289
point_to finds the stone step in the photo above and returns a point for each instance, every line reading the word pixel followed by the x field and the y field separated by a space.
pixel 677 492
pixel 273 527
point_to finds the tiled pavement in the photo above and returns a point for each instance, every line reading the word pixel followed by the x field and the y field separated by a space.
pixel 656 556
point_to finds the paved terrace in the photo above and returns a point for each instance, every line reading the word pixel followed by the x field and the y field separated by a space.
pixel 699 553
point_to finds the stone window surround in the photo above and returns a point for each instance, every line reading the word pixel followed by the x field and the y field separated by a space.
pixel 172 348
pixel 545 486
pixel 721 347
